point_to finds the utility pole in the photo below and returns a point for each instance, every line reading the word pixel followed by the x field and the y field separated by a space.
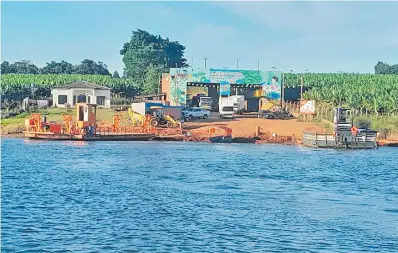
pixel 160 83
pixel 205 62
pixel 301 88
pixel 237 63
pixel 258 65
pixel 192 64
pixel 176 87
pixel 301 85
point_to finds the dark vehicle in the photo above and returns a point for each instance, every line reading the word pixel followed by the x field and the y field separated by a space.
pixel 221 139
pixel 281 114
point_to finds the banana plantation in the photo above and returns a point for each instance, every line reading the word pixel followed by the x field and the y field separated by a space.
pixel 373 93
pixel 370 92
pixel 16 86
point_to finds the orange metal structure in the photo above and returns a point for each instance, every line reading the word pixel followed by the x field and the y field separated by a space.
pixel 68 123
pixel 227 130
pixel 81 128
pixel 116 121
pixel 86 115
pixel 36 118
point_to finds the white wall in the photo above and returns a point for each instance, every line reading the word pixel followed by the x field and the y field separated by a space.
pixel 138 107
pixel 106 94
pixel 67 92
pixel 88 92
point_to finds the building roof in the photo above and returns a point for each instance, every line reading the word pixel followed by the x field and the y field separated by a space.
pixel 82 85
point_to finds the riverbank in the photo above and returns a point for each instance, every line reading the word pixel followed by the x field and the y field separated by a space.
pixel 254 140
pixel 247 128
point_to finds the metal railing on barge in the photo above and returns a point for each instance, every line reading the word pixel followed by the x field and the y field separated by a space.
pixel 363 140
pixel 123 130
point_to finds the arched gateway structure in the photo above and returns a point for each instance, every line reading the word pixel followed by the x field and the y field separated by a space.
pixel 183 84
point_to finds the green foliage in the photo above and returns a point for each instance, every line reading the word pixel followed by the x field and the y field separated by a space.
pixel 89 67
pixel 21 67
pixel 19 84
pixel 385 125
pixel 62 67
pixel 5 67
pixel 362 122
pixel 319 80
pixel 115 74
pixel 22 115
pixel 152 80
pixel 86 67
pixel 384 68
pixel 375 93
pixel 147 55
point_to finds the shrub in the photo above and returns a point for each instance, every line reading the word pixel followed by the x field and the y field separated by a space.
pixel 22 115
pixel 363 123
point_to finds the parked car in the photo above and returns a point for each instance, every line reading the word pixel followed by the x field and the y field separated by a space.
pixel 227 112
pixel 196 112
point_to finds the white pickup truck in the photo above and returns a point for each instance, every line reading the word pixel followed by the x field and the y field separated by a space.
pixel 196 112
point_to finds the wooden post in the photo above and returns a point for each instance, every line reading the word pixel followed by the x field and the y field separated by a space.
pixel 257 131
pixel 326 139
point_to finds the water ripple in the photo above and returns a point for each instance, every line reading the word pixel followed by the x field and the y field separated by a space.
pixel 196 197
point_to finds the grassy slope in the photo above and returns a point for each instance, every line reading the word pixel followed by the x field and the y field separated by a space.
pixel 383 124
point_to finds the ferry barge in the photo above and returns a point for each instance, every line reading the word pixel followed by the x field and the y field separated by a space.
pixel 85 128
pixel 345 135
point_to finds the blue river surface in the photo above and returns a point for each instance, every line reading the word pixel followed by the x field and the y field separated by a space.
pixel 196 197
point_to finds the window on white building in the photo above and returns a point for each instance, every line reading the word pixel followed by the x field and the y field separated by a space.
pixel 62 99
pixel 100 100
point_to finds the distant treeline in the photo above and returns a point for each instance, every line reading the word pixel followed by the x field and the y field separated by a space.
pixel 86 67
pixel 384 68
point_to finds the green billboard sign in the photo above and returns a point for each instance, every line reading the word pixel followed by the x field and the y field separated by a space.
pixel 269 80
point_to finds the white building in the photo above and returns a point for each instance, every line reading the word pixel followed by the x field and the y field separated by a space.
pixel 81 92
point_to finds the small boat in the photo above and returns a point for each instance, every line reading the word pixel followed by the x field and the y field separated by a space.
pixel 221 139
pixel 225 138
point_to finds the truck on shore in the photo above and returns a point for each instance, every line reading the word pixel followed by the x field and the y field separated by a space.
pixel 206 103
pixel 226 107
pixel 238 102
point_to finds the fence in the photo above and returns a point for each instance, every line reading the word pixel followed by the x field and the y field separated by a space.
pixel 382 122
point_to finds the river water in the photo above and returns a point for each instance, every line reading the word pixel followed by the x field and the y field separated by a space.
pixel 196 197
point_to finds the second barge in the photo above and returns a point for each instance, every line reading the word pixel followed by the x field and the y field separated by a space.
pixel 345 136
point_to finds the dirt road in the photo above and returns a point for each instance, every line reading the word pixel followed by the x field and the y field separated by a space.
pixel 245 126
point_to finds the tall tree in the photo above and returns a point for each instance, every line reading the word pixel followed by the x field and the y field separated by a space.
pixel 147 52
pixel 151 81
pixel 115 74
pixel 5 67
pixel 384 68
pixel 62 67
pixel 90 67
pixel 394 69
pixel 24 67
